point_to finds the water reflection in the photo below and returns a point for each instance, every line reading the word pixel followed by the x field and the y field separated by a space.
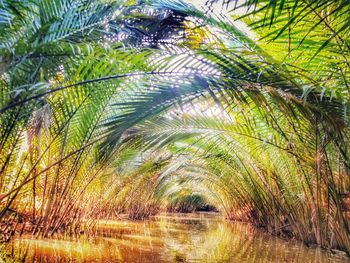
pixel 187 238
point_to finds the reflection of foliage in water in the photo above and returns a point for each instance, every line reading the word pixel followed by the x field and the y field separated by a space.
pixel 13 255
pixel 220 241
pixel 181 238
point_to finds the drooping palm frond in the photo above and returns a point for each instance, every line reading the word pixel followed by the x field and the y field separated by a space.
pixel 114 107
pixel 250 169
pixel 311 37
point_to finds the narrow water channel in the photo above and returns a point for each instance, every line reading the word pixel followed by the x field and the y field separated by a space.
pixel 170 238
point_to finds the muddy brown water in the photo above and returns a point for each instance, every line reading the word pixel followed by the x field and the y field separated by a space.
pixel 198 237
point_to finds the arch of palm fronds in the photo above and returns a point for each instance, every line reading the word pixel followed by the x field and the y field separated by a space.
pixel 119 106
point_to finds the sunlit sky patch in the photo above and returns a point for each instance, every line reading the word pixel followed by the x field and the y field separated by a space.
pixel 226 11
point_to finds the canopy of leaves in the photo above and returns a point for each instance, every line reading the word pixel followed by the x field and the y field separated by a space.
pixel 116 106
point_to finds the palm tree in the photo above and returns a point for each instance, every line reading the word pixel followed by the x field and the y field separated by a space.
pixel 86 85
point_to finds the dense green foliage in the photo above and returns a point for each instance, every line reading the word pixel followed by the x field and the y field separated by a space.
pixel 111 107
